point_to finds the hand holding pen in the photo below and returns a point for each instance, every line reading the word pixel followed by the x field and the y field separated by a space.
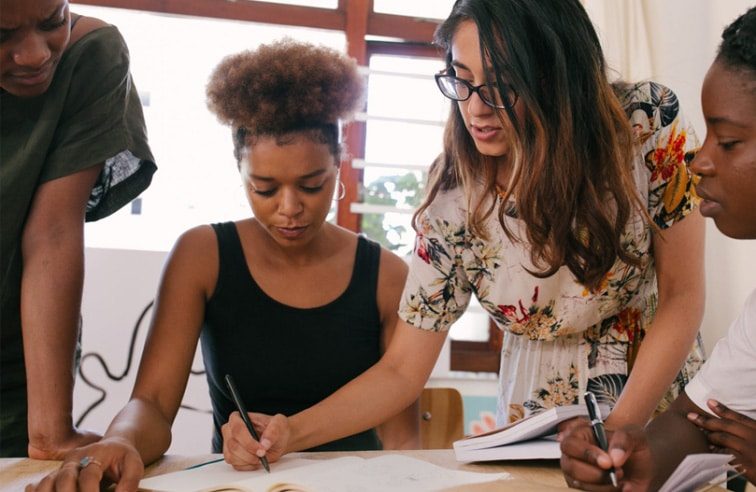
pixel 245 418
pixel 594 413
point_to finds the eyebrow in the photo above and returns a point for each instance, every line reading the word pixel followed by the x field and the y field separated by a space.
pixel 56 11
pixel 722 120
pixel 268 179
pixel 457 64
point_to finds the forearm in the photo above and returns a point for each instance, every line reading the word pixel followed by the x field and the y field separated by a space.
pixel 365 402
pixel 141 424
pixel 663 351
pixel 50 303
pixel 672 437
pixel 402 431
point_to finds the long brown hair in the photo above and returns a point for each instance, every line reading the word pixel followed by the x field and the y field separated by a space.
pixel 570 156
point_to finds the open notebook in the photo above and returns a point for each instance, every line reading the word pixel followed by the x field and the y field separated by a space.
pixel 387 472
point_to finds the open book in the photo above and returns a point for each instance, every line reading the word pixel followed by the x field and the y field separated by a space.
pixel 526 439
pixel 387 472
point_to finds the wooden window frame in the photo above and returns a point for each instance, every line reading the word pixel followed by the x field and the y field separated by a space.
pixel 358 21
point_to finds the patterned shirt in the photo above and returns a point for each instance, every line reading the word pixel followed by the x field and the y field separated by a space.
pixel 560 338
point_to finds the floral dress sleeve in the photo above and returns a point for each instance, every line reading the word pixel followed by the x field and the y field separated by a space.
pixel 668 144
pixel 437 291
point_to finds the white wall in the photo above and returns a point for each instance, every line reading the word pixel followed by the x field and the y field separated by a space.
pixel 682 39
pixel 119 285
pixel 685 36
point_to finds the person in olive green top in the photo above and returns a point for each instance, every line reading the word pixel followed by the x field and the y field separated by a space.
pixel 73 147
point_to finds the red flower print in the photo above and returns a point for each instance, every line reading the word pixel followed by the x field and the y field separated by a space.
pixel 508 311
pixel 421 250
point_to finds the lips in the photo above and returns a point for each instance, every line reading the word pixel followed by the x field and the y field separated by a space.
pixel 291 232
pixel 32 78
pixel 708 206
pixel 484 133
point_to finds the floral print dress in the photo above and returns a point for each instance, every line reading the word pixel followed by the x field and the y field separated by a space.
pixel 560 338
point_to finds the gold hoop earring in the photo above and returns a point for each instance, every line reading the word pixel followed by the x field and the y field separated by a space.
pixel 342 191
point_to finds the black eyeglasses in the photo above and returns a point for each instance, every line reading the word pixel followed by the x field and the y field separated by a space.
pixel 458 89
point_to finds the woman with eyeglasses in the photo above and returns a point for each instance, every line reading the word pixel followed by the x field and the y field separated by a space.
pixel 562 202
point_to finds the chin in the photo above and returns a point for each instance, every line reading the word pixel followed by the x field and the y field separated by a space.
pixel 737 230
pixel 25 91
pixel 491 150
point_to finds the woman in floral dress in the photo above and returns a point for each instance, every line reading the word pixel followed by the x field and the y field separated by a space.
pixel 568 230
pixel 563 203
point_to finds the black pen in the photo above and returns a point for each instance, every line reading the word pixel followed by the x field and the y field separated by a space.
pixel 594 412
pixel 245 417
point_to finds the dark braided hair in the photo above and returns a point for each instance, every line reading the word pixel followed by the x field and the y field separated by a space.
pixel 738 48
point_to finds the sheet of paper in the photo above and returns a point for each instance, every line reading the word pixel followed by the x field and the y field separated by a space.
pixel 347 474
pixel 696 470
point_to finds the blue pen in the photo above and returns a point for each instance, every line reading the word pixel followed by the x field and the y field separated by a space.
pixel 594 412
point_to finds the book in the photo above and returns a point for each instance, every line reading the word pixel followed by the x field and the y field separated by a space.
pixel 387 472
pixel 697 470
pixel 530 438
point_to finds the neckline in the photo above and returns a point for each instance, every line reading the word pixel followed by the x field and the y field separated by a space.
pixel 361 244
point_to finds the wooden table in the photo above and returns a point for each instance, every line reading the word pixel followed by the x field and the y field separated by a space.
pixel 16 473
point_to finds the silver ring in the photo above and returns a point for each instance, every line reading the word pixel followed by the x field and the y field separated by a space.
pixel 88 460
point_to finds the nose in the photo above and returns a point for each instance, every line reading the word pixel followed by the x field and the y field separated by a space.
pixel 702 163
pixel 476 106
pixel 290 204
pixel 31 52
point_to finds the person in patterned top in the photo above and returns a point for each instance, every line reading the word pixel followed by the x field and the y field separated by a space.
pixel 563 203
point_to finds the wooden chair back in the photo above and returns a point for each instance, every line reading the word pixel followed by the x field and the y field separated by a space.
pixel 441 418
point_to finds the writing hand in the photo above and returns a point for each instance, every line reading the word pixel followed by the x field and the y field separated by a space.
pixel 585 465
pixel 732 432
pixel 111 460
pixel 243 452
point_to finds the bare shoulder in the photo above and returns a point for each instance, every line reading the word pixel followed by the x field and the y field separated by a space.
pixel 196 239
pixel 84 26
pixel 194 257
pixel 393 268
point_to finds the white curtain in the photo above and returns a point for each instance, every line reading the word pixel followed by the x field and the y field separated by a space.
pixel 624 34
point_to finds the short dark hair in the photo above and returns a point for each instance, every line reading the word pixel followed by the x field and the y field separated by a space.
pixel 738 48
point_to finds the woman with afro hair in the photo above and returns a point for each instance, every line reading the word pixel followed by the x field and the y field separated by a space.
pixel 292 306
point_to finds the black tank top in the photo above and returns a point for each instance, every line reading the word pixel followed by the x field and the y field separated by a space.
pixel 285 359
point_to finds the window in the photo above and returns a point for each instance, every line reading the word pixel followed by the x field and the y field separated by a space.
pixel 197 180
pixel 430 9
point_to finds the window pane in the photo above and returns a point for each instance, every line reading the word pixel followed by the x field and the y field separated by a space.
pixel 429 9
pixel 404 133
pixel 197 181
pixel 326 4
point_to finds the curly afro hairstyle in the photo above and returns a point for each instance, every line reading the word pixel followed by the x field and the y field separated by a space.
pixel 738 48
pixel 283 87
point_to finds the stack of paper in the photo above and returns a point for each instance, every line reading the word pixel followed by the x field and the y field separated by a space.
pixel 526 439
